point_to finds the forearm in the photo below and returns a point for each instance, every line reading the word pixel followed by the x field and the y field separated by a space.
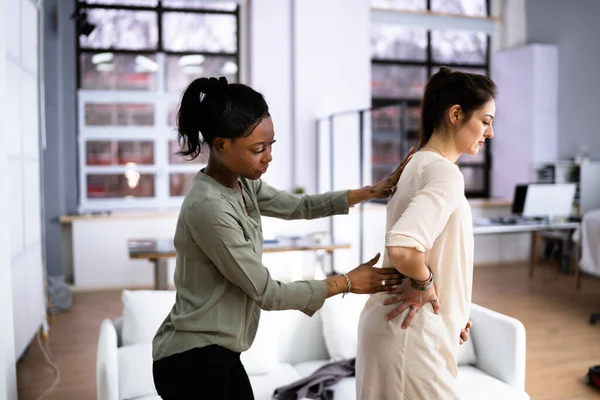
pixel 409 262
pixel 336 285
pixel 356 196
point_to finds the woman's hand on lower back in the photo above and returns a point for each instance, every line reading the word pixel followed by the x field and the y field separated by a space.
pixel 410 298
pixel 368 279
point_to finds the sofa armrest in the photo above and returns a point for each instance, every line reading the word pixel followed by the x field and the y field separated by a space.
pixel 107 363
pixel 500 345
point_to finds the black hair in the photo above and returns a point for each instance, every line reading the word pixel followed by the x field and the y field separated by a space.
pixel 447 88
pixel 214 108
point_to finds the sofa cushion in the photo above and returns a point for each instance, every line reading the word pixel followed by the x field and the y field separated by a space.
pixel 264 385
pixel 340 325
pixel 143 313
pixel 135 371
pixel 466 353
pixel 262 357
pixel 474 384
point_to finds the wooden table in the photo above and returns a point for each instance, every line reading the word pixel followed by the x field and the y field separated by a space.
pixel 158 251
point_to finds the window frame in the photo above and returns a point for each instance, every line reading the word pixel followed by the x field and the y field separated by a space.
pixel 161 132
pixel 431 65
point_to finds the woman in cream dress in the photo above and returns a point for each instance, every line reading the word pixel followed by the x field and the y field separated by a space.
pixel 430 240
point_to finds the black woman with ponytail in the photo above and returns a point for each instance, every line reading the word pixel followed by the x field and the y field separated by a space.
pixel 220 280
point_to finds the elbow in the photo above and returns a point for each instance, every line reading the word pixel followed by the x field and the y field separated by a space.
pixel 403 257
pixel 266 303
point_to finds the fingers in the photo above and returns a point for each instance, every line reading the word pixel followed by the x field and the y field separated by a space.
pixel 373 260
pixel 464 336
pixel 436 307
pixel 397 311
pixel 411 315
pixel 393 300
pixel 398 171
pixel 389 271
pixel 469 325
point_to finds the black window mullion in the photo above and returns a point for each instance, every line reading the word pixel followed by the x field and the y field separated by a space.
pixel 159 26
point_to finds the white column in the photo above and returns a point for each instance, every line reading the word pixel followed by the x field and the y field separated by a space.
pixel 8 380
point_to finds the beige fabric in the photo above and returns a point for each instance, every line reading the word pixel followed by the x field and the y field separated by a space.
pixel 430 213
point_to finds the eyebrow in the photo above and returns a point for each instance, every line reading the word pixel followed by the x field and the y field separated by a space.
pixel 262 143
pixel 489 115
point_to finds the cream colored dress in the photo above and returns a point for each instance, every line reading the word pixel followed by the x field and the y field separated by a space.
pixel 431 214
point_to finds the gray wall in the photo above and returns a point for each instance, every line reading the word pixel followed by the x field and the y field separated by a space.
pixel 573 26
pixel 60 156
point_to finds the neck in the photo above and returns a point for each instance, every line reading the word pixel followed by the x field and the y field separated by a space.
pixel 438 142
pixel 221 174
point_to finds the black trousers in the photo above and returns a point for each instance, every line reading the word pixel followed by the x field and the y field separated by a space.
pixel 211 372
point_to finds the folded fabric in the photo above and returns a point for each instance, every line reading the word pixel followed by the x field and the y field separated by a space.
pixel 315 385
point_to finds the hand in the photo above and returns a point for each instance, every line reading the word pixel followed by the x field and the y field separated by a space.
pixel 387 186
pixel 367 279
pixel 464 333
pixel 409 297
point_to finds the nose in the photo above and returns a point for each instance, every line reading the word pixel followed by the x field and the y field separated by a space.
pixel 268 156
pixel 489 133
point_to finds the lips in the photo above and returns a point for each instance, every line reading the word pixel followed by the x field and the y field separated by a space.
pixel 262 171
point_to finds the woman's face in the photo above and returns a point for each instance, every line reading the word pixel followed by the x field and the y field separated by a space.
pixel 472 134
pixel 250 156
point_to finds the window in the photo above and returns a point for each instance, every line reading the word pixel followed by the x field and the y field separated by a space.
pixel 403 58
pixel 135 57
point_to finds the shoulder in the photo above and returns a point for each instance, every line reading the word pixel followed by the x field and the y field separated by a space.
pixel 207 210
pixel 435 169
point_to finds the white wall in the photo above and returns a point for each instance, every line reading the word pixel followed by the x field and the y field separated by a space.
pixel 309 62
pixel 8 384
pixel 22 141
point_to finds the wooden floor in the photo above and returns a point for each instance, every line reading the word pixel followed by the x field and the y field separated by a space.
pixel 561 345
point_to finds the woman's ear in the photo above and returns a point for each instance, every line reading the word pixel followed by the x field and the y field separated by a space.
pixel 219 145
pixel 455 114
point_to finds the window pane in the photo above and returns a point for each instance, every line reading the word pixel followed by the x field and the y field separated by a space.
pixel 480 71
pixel 459 47
pixel 120 114
pixel 395 81
pixel 205 4
pixel 127 185
pixel 387 119
pixel 181 70
pixel 174 158
pixel 115 152
pixel 145 3
pixel 121 29
pixel 411 5
pixel 109 71
pixel 464 7
pixel 474 179
pixel 215 33
pixel 398 43
pixel 180 183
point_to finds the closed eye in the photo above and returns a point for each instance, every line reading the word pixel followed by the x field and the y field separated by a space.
pixel 261 150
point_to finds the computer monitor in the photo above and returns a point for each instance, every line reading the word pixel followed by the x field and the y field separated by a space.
pixel 518 203
pixel 549 200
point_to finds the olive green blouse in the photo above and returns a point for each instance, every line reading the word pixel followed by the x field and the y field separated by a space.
pixel 221 282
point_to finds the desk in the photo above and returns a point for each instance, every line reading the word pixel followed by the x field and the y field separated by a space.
pixel 535 228
pixel 158 251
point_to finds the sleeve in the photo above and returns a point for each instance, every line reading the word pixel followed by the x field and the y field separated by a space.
pixel 218 233
pixel 441 188
pixel 280 204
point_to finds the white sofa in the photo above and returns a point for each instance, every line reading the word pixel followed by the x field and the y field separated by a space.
pixel 290 345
